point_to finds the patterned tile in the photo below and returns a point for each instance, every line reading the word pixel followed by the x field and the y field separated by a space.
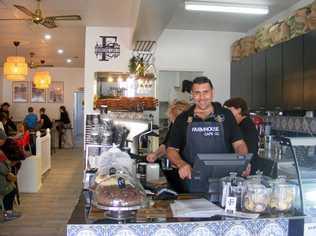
pixel 298 124
pixel 313 126
pixel 290 124
pixel 260 227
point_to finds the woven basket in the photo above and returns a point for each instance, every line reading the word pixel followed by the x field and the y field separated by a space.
pixel 298 22
pixel 279 33
pixel 235 51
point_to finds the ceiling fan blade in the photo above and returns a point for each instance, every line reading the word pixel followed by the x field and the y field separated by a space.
pixel 65 17
pixel 49 23
pixel 25 10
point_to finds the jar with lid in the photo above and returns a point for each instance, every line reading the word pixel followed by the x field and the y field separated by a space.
pixel 256 197
pixel 282 195
pixel 259 178
pixel 232 186
pixel 119 194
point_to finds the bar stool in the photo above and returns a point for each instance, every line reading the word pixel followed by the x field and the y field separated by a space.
pixel 67 138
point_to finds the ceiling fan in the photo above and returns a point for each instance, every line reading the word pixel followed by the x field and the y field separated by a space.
pixel 38 18
pixel 33 65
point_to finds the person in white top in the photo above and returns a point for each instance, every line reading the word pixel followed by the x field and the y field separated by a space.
pixel 2 121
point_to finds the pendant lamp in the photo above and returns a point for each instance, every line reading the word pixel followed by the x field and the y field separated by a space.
pixel 42 79
pixel 15 68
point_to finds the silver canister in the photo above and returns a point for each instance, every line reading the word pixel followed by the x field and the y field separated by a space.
pixel 89 178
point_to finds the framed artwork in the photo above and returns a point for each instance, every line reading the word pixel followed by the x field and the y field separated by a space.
pixel 56 92
pixel 37 95
pixel 19 91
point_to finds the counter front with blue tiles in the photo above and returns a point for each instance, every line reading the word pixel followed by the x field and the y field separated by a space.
pixel 81 225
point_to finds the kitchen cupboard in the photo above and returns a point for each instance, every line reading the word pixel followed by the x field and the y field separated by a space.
pixel 259 81
pixel 241 74
pixel 293 74
pixel 274 72
pixel 279 78
pixel 309 67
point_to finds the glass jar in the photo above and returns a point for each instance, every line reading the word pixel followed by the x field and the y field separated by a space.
pixel 256 197
pixel 282 195
pixel 232 186
pixel 259 178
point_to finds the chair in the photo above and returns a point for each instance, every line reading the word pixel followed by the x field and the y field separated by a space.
pixel 1 203
pixel 2 211
pixel 67 138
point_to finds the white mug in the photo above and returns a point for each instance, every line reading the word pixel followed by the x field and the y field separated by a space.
pixel 152 171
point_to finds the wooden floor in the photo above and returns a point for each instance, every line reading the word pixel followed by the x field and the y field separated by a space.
pixel 47 212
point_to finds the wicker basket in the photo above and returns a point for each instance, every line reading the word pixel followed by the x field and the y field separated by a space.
pixel 247 45
pixel 298 22
pixel 236 51
pixel 279 32
pixel 263 39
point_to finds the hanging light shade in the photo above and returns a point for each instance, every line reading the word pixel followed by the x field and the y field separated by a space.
pixel 42 79
pixel 15 68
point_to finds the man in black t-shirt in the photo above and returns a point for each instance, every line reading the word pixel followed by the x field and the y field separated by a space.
pixel 44 120
pixel 206 127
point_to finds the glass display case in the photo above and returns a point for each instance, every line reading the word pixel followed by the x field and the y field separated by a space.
pixel 298 163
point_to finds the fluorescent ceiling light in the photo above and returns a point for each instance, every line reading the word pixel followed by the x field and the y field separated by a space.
pixel 60 51
pixel 69 60
pixel 226 7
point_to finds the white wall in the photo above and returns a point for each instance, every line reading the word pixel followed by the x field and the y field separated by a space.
pixel 282 15
pixel 92 64
pixel 73 80
pixel 207 51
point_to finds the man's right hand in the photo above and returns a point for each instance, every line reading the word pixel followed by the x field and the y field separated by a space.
pixel 185 171
pixel 151 157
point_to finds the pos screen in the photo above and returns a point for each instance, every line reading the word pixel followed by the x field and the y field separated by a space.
pixel 216 166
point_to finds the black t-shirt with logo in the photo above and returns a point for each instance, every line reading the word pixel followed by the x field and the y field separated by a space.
pixel 232 133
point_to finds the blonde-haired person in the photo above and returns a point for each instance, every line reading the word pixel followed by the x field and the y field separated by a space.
pixel 174 109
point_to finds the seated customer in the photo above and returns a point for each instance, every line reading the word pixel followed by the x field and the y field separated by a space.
pixel 23 136
pixel 9 127
pixel 7 180
pixel 31 119
pixel 239 108
pixel 45 122
pixel 3 121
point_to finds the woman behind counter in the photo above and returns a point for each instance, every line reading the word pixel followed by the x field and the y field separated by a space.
pixel 239 108
pixel 174 109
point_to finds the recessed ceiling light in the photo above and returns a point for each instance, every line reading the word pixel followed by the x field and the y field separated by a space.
pixel 68 60
pixel 226 7
pixel 60 51
pixel 47 36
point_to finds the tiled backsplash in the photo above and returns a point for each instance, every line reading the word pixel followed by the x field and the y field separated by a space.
pixel 304 125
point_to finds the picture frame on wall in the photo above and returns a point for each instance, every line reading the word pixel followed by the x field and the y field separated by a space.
pixel 56 92
pixel 20 92
pixel 37 95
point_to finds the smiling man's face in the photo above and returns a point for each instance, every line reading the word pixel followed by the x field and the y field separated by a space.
pixel 202 95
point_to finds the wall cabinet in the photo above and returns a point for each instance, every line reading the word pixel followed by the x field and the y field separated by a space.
pixel 241 74
pixel 281 78
pixel 309 68
pixel 259 81
pixel 274 78
pixel 293 74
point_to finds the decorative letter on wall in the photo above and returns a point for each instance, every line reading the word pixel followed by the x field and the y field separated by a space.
pixel 108 49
